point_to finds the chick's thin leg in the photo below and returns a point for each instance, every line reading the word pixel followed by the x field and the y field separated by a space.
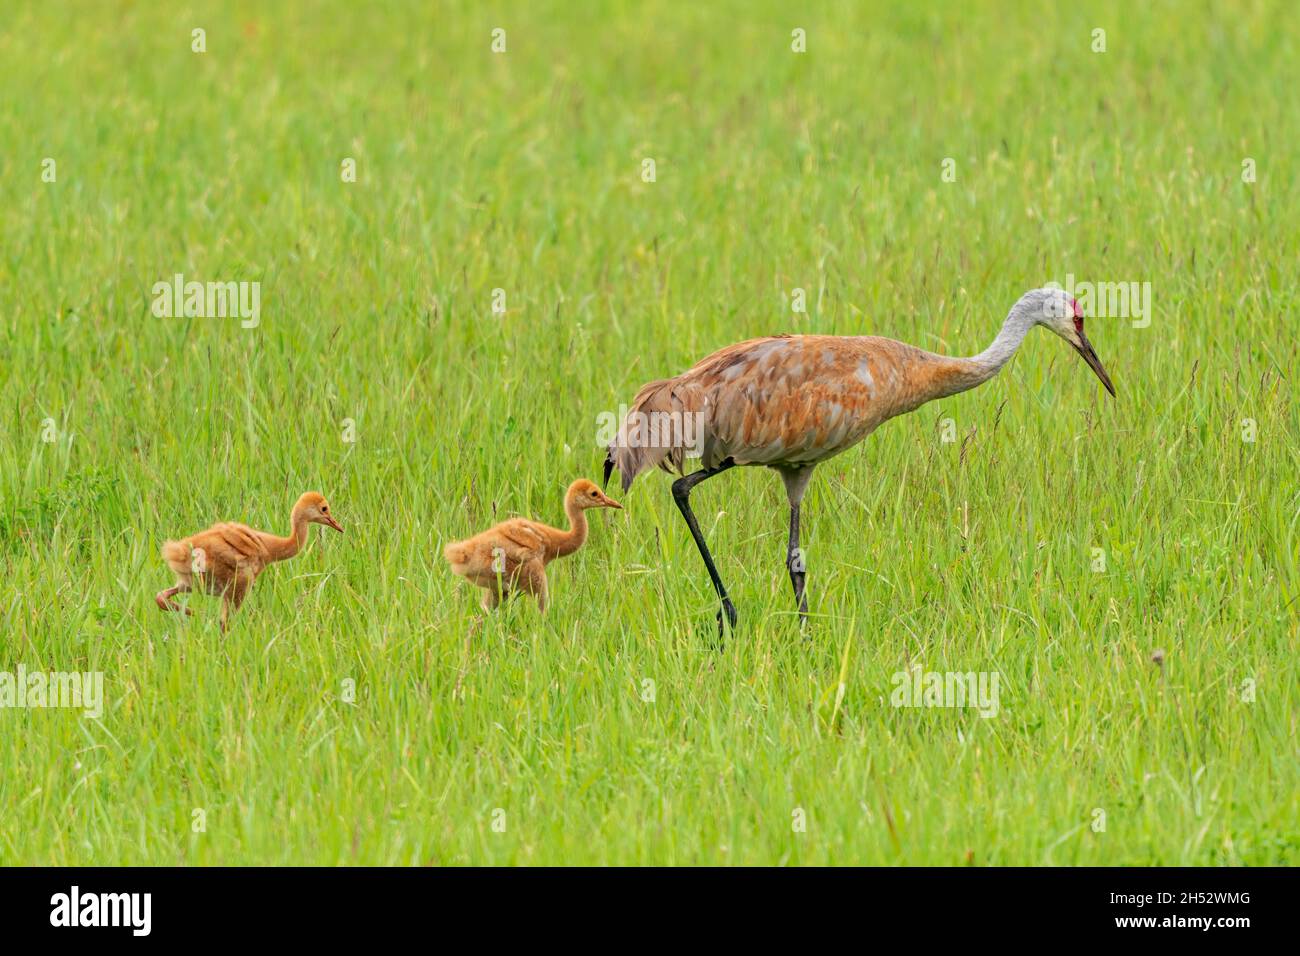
pixel 232 597
pixel 532 580
pixel 164 602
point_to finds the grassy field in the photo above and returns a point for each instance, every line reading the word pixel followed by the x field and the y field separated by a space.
pixel 356 714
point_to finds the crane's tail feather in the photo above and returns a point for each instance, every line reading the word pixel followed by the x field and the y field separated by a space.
pixel 664 425
pixel 458 556
pixel 177 556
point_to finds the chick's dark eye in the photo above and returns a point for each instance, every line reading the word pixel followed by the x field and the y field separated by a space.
pixel 325 509
pixel 593 494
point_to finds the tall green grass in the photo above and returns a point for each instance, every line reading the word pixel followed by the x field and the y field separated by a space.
pixel 522 172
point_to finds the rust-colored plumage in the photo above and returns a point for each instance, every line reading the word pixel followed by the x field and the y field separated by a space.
pixel 511 557
pixel 789 402
pixel 227 558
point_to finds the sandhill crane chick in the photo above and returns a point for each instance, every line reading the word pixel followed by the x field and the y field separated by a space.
pixel 227 558
pixel 511 557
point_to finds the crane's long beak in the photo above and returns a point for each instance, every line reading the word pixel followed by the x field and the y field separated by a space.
pixel 1085 349
pixel 329 520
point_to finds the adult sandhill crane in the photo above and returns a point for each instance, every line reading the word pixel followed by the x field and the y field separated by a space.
pixel 789 402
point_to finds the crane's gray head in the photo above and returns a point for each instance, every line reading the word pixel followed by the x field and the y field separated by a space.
pixel 1056 310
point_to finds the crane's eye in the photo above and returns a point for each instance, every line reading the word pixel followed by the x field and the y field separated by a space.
pixel 593 494
pixel 324 509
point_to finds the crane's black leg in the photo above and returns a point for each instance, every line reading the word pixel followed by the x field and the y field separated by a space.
pixel 796 562
pixel 682 496
pixel 796 480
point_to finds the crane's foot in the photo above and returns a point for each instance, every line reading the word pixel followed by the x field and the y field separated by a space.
pixel 164 602
pixel 729 610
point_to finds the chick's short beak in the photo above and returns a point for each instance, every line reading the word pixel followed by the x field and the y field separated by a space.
pixel 329 520
pixel 1085 349
pixel 611 503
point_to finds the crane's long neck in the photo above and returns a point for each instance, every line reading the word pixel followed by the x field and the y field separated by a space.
pixel 958 375
pixel 567 542
pixel 989 362
pixel 279 549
